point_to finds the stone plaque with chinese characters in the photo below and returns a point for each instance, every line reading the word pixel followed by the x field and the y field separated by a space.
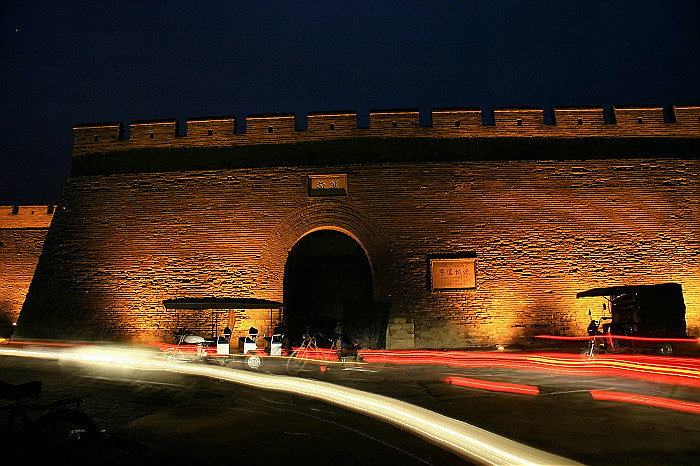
pixel 452 274
pixel 328 185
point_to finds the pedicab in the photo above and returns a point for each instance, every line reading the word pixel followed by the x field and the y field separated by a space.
pixel 642 318
pixel 247 348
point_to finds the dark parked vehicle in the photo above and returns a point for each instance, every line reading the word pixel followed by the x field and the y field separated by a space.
pixel 650 313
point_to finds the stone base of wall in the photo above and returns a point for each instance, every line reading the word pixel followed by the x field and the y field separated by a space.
pixel 400 334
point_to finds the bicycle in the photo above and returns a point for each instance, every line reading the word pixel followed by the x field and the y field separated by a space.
pixel 62 431
pixel 300 357
pixel 309 352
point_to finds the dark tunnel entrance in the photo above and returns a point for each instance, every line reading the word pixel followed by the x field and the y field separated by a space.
pixel 328 279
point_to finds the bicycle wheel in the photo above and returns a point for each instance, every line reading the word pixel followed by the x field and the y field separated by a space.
pixel 65 433
pixel 253 362
pixel 296 362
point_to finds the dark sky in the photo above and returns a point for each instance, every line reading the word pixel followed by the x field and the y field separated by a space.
pixel 65 63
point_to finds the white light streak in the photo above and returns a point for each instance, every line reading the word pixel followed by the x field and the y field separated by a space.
pixel 467 441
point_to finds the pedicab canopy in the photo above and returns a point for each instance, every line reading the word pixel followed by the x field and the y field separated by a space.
pixel 655 307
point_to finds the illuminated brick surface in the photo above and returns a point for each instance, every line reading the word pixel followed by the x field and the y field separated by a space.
pixel 548 210
pixel 22 233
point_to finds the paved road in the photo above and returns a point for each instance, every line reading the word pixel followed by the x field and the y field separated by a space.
pixel 156 417
pixel 150 417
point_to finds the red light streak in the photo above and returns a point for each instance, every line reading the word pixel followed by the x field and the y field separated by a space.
pixel 493 386
pixel 660 369
pixel 619 337
pixel 659 402
pixel 374 355
pixel 184 349
pixel 320 354
pixel 602 395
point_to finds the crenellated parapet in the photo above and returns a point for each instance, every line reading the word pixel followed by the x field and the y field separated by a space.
pixel 26 216
pixel 525 122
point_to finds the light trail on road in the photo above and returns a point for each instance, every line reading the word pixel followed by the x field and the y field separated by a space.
pixel 660 369
pixel 462 439
pixel 493 385
pixel 646 400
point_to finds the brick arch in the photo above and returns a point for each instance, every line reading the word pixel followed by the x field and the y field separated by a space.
pixel 325 216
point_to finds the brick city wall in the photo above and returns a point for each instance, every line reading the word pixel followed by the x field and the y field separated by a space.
pixel 22 233
pixel 541 230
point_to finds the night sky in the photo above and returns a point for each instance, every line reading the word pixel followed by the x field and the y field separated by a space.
pixel 65 63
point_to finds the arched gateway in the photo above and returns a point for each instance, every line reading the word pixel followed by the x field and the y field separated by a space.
pixel 328 286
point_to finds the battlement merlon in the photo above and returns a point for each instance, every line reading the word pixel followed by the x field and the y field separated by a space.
pixel 26 216
pixel 527 122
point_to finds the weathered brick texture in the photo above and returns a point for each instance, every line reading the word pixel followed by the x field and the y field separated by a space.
pixel 400 333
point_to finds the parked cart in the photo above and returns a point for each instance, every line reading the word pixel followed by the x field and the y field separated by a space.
pixel 642 317
pixel 224 346
pixel 192 348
